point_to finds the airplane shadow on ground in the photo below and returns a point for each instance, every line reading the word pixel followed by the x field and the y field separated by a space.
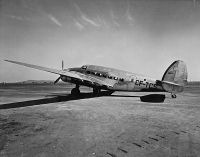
pixel 53 99
pixel 127 96
pixel 68 97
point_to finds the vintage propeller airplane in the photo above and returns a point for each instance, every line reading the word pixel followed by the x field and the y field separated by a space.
pixel 104 78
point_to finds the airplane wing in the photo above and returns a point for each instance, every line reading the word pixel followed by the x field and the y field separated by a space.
pixel 71 74
pixel 60 72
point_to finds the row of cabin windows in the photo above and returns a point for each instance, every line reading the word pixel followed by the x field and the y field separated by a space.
pixel 105 76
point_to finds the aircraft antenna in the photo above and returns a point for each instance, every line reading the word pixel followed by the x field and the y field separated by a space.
pixel 62 64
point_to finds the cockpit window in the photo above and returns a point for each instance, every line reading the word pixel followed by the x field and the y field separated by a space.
pixel 84 67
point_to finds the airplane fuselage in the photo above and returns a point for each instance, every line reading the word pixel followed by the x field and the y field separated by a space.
pixel 122 80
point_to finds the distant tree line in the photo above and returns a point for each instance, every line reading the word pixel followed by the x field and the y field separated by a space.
pixel 194 83
pixel 191 83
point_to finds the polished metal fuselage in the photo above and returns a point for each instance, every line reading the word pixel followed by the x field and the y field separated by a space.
pixel 122 80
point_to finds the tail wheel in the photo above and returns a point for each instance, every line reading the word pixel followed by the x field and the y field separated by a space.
pixel 173 95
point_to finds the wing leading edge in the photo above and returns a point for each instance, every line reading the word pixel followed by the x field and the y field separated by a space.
pixel 76 75
pixel 55 71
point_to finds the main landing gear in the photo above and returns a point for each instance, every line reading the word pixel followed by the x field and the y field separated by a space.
pixel 173 95
pixel 75 91
pixel 96 91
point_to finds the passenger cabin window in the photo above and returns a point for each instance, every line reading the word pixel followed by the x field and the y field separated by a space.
pixel 104 76
pixel 93 73
pixel 121 79
pixel 110 77
pixel 84 67
pixel 98 74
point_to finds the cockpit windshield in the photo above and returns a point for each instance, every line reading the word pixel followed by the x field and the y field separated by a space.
pixel 84 67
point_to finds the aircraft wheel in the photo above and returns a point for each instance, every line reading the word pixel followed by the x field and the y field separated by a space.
pixel 96 91
pixel 75 91
pixel 173 95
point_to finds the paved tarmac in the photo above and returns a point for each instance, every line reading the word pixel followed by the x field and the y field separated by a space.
pixel 45 121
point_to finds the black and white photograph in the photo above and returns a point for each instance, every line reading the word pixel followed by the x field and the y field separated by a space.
pixel 99 78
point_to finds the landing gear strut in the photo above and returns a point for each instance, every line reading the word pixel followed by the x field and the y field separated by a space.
pixel 173 95
pixel 75 91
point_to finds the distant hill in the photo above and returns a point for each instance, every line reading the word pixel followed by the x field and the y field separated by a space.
pixel 36 82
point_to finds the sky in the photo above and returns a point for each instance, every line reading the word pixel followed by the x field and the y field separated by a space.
pixel 140 36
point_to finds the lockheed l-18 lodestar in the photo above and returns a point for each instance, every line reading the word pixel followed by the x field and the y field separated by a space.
pixel 104 78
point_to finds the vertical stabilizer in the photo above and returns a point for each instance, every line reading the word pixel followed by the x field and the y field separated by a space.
pixel 175 77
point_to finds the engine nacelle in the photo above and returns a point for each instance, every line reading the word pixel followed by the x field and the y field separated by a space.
pixel 66 79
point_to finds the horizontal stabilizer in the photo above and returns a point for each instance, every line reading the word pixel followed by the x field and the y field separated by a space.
pixel 172 87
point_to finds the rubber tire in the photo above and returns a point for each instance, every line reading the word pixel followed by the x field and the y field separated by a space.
pixel 75 92
pixel 173 96
pixel 96 91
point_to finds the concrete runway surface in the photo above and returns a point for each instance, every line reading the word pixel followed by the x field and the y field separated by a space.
pixel 44 121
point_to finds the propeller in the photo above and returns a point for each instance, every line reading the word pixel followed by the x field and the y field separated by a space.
pixel 60 76
pixel 57 80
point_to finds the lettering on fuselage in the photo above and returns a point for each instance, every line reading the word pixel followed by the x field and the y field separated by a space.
pixel 145 83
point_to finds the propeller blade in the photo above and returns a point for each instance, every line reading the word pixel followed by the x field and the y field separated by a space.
pixel 56 80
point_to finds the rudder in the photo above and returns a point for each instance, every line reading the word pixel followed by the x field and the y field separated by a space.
pixel 175 77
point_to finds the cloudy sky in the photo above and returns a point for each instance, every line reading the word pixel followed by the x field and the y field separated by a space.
pixel 141 36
